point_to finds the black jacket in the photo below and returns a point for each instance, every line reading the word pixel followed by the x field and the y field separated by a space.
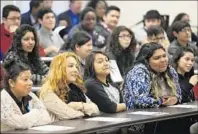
pixel 186 89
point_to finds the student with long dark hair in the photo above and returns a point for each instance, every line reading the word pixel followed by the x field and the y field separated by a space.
pixel 182 33
pixel 100 89
pixel 122 48
pixel 151 82
pixel 25 49
pixel 183 61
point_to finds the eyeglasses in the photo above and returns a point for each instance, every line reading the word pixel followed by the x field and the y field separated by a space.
pixel 14 18
pixel 186 30
pixel 158 38
pixel 125 36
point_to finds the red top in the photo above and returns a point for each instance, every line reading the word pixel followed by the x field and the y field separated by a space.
pixel 195 89
pixel 41 51
pixel 6 39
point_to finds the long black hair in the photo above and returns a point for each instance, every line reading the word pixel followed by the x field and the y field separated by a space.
pixel 177 26
pixel 79 38
pixel 180 53
pixel 33 57
pixel 123 57
pixel 114 43
pixel 89 71
pixel 146 52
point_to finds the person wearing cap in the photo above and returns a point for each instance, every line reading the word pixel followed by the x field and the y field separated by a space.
pixel 152 18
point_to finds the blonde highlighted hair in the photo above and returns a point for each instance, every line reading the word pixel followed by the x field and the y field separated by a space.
pixel 156 86
pixel 56 81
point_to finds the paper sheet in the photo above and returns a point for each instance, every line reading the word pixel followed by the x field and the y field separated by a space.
pixel 185 106
pixel 46 58
pixel 107 119
pixel 115 72
pixel 51 128
pixel 148 113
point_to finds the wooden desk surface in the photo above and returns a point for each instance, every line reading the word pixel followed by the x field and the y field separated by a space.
pixel 84 126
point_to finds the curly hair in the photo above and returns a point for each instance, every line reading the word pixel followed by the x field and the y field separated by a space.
pixel 56 81
pixel 33 58
pixel 117 50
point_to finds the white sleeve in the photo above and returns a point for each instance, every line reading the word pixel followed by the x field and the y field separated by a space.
pixel 56 106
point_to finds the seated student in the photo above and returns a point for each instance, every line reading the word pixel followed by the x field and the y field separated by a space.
pixel 156 34
pixel 181 17
pixel 63 92
pixel 151 82
pixel 1 56
pixel 48 39
pixel 182 33
pixel 99 88
pixel 20 108
pixel 183 62
pixel 87 24
pixel 25 49
pixel 100 7
pixel 81 45
pixel 121 48
pixel 11 21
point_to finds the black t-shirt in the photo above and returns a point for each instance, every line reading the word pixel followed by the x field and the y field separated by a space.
pixel 97 94
pixel 186 89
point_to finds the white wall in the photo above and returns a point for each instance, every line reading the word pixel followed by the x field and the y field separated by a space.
pixel 131 11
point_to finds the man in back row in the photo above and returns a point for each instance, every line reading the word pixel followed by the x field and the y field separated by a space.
pixel 11 21
pixel 152 18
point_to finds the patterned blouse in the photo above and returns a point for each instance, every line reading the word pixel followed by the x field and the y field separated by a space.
pixel 137 88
